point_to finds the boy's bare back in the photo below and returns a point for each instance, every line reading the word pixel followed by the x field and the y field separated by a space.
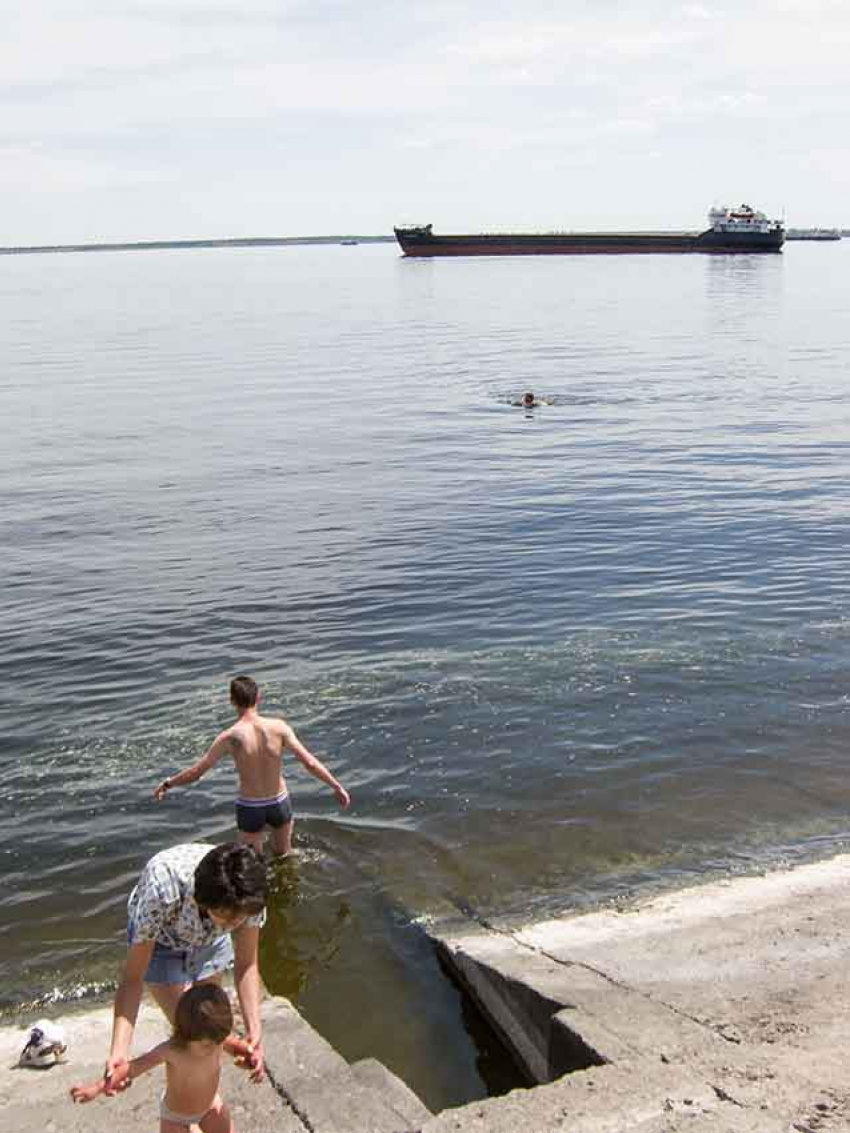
pixel 256 744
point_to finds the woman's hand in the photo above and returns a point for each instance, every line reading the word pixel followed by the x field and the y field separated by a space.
pixel 256 1061
pixel 116 1075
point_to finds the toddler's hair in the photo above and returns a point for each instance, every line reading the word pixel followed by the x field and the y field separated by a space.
pixel 203 1012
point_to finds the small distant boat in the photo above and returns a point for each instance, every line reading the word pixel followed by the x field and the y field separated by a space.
pixel 349 243
pixel 813 234
pixel 740 229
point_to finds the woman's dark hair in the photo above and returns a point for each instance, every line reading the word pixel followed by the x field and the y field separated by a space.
pixel 203 1012
pixel 233 877
pixel 243 692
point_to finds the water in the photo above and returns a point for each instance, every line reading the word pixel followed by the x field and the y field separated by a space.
pixel 558 657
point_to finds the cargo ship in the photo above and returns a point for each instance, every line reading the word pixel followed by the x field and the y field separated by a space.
pixel 739 229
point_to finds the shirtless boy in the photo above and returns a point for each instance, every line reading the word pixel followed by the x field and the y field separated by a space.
pixel 256 744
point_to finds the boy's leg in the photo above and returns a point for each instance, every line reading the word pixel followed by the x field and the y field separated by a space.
pixel 217 1119
pixel 282 838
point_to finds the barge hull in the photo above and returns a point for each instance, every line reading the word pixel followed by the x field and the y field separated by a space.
pixel 558 244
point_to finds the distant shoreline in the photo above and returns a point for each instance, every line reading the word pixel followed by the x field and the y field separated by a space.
pixel 234 242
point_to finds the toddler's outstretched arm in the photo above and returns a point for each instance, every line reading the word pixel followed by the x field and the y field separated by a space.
pixel 83 1094
pixel 240 1049
pixel 137 1067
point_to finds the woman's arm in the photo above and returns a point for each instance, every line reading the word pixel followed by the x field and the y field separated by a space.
pixel 127 1000
pixel 246 976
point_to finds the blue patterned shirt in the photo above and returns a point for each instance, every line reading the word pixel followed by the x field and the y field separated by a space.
pixel 162 907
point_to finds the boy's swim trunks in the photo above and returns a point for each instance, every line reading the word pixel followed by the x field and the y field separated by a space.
pixel 253 814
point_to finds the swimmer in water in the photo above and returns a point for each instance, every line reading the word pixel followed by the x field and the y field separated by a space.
pixel 529 401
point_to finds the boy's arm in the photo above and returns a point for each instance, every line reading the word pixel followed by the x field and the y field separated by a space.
pixel 220 746
pixel 314 765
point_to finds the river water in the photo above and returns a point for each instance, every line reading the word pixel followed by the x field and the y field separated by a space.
pixel 558 657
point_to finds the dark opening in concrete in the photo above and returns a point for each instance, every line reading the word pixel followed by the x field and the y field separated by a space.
pixel 540 1046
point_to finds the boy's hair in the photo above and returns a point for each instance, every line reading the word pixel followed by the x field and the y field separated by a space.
pixel 243 692
pixel 233 877
pixel 203 1012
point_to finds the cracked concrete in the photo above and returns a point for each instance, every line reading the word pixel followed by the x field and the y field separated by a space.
pixel 308 1087
pixel 722 1003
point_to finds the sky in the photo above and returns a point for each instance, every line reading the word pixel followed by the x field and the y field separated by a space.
pixel 169 119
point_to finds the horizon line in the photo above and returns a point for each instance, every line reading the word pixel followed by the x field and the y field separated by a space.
pixel 211 242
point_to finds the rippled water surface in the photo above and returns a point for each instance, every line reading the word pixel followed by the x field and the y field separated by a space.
pixel 556 655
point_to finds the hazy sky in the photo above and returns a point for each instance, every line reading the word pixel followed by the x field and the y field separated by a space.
pixel 136 119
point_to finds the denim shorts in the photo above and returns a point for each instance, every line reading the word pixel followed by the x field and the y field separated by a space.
pixel 172 966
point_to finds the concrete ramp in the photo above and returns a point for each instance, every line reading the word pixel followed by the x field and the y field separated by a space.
pixel 556 1016
pixel 725 1007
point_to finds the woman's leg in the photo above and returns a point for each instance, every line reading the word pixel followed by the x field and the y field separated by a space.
pixel 167 996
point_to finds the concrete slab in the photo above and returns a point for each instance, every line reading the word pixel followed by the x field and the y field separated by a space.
pixel 309 1087
pixel 373 1074
pixel 711 949
pixel 722 1007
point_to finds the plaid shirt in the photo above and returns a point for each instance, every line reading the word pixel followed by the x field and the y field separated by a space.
pixel 163 908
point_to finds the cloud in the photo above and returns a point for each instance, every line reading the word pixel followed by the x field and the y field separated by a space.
pixel 388 100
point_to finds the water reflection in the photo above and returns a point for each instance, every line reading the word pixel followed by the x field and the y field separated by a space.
pixel 303 931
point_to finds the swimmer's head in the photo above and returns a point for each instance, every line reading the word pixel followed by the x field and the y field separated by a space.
pixel 528 398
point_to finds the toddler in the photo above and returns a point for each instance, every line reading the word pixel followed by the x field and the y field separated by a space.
pixel 203 1023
